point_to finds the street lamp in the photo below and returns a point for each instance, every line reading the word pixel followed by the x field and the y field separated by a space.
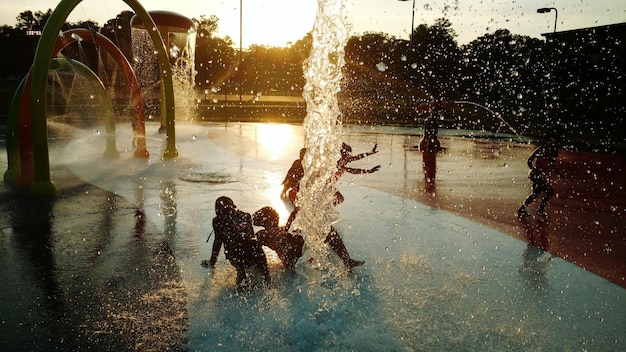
pixel 412 23
pixel 548 9
pixel 240 46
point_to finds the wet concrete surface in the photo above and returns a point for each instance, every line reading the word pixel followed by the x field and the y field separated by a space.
pixel 486 181
pixel 85 270
pixel 585 225
pixel 123 290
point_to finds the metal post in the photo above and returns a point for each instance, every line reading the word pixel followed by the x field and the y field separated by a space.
pixel 548 9
pixel 240 47
pixel 412 23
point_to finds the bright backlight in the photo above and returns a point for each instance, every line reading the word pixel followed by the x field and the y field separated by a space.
pixel 273 138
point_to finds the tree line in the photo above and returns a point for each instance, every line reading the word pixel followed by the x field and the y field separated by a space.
pixel 516 83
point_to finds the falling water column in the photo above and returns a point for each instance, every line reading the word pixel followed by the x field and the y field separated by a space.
pixel 322 125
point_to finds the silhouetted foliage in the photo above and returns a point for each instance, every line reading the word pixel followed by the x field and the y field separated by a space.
pixel 507 73
pixel 434 60
pixel 216 60
pixel 119 32
pixel 266 69
pixel 377 80
pixel 29 20
pixel 589 83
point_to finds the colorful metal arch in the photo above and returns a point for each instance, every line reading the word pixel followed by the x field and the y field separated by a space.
pixel 76 34
pixel 100 92
pixel 42 184
pixel 23 177
pixel 20 170
pixel 12 174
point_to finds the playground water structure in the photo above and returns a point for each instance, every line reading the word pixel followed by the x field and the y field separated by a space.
pixel 179 35
pixel 432 281
pixel 29 103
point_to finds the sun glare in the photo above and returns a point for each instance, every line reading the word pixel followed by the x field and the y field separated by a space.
pixel 273 194
pixel 274 138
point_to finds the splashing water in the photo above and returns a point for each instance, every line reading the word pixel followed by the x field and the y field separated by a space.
pixel 322 71
pixel 496 114
pixel 184 73
pixel 146 66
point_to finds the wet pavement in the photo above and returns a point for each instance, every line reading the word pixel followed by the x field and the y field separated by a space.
pixel 81 280
pixel 107 267
pixel 486 181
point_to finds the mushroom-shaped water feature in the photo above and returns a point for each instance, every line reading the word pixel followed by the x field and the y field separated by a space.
pixel 168 22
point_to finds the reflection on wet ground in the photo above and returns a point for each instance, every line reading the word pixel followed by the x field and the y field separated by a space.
pixel 77 277
pixel 486 180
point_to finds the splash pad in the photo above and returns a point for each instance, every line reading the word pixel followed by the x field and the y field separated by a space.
pixel 432 281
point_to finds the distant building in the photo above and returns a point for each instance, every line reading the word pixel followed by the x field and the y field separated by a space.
pixel 595 44
pixel 589 78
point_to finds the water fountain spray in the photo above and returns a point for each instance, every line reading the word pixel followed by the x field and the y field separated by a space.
pixel 322 124
pixel 496 114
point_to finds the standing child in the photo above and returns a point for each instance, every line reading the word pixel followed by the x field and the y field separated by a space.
pixel 542 163
pixel 291 183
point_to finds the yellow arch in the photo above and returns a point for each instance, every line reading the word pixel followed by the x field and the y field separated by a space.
pixel 43 185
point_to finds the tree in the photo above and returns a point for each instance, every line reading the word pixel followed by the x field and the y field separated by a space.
pixel 8 31
pixel 434 60
pixel 296 54
pixel 588 70
pixel 119 32
pixel 375 50
pixel 506 73
pixel 215 57
pixel 376 70
pixel 28 20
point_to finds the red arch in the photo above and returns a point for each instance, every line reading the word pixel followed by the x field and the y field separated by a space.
pixel 72 36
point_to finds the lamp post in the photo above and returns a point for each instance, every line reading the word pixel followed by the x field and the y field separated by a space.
pixel 240 45
pixel 412 23
pixel 548 9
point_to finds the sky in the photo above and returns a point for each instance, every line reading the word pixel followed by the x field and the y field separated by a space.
pixel 277 22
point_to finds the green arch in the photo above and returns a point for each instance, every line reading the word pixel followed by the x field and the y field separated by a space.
pixel 43 185
pixel 13 150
